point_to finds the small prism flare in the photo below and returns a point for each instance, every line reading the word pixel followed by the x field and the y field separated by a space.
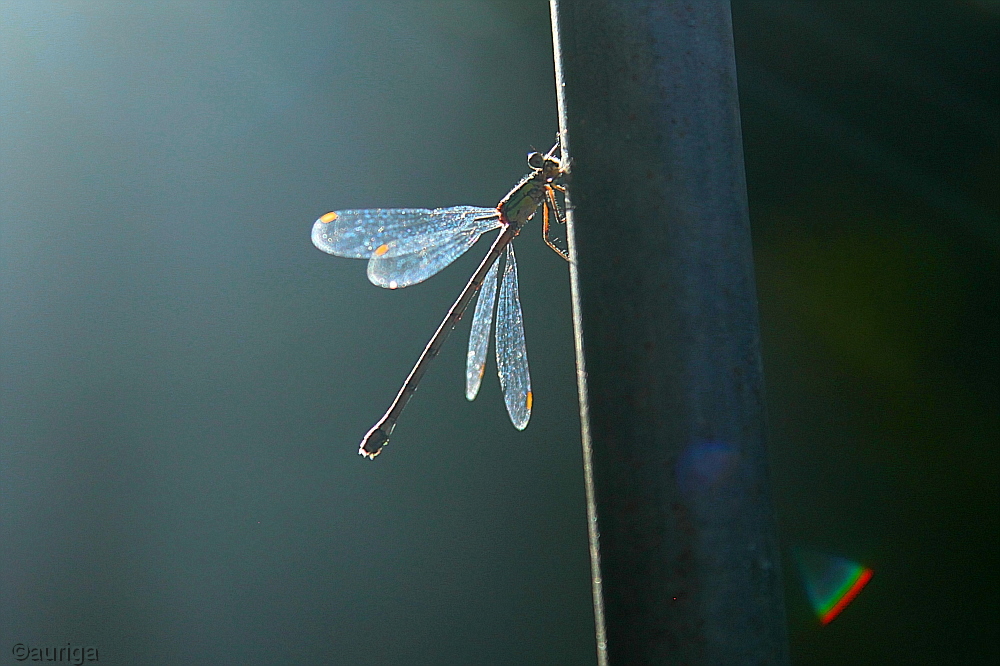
pixel 831 582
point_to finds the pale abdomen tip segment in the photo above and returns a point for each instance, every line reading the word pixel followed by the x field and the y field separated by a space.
pixel 373 442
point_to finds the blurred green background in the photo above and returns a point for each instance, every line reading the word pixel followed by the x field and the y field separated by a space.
pixel 184 379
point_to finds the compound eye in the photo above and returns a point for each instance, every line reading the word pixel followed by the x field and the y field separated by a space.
pixel 535 160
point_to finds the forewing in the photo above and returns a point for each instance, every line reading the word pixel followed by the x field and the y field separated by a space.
pixel 358 234
pixel 479 336
pixel 512 356
pixel 413 259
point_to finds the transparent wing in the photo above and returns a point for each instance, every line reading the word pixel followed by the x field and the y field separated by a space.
pixel 512 356
pixel 358 234
pixel 410 260
pixel 479 337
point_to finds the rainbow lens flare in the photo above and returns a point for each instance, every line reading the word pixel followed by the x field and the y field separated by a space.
pixel 831 582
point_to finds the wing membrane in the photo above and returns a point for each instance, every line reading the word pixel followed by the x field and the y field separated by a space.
pixel 357 234
pixel 408 261
pixel 512 355
pixel 479 336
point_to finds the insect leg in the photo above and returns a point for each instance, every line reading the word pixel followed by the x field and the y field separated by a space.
pixel 551 205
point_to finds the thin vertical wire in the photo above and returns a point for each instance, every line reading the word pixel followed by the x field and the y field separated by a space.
pixel 593 534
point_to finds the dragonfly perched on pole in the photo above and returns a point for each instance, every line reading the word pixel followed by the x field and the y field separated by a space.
pixel 405 246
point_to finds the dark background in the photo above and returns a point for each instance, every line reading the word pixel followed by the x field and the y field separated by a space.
pixel 184 379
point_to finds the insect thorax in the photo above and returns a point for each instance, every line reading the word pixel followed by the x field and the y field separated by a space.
pixel 522 202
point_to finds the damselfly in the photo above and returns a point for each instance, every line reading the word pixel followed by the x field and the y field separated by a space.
pixel 405 246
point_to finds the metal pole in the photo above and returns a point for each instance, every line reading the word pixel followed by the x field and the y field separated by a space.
pixel 686 565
